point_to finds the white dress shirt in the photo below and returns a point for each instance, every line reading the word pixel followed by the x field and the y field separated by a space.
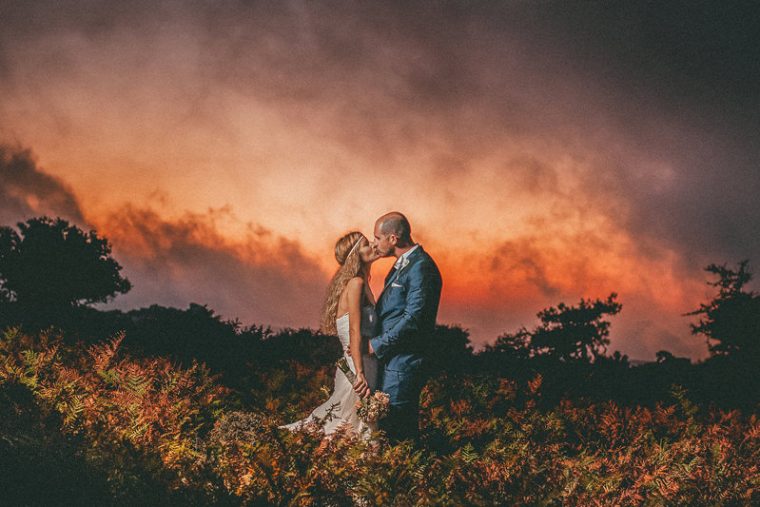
pixel 403 259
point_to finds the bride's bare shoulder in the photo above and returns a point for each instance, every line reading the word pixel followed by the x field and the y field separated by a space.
pixel 354 287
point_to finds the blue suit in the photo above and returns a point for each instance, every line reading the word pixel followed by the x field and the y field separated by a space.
pixel 407 309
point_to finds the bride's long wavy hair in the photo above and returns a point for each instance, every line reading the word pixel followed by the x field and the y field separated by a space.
pixel 351 265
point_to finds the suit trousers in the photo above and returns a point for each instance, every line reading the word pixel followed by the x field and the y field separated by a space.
pixel 403 387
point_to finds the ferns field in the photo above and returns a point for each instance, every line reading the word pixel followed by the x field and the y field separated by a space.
pixel 91 425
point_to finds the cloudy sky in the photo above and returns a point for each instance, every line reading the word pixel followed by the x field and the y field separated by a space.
pixel 543 151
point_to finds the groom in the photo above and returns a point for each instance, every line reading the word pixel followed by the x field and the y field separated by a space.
pixel 407 310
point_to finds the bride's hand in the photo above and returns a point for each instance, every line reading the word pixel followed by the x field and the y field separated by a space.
pixel 361 387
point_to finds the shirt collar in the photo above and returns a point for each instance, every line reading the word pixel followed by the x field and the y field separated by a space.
pixel 403 259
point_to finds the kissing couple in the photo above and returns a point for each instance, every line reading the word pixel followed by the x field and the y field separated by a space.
pixel 386 342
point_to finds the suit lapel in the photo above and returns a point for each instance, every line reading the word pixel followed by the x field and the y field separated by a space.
pixel 411 259
pixel 394 273
pixel 390 275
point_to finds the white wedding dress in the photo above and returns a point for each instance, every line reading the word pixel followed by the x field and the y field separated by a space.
pixel 340 408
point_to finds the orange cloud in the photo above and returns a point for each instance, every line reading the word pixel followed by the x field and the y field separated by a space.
pixel 260 278
pixel 499 287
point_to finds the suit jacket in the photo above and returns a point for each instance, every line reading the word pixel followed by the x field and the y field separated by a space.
pixel 407 309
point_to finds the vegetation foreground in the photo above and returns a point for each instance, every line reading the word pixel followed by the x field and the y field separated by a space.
pixel 183 408
pixel 90 425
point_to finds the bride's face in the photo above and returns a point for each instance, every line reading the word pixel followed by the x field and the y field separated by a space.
pixel 366 252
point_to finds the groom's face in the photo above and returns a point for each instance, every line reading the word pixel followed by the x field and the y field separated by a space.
pixel 384 244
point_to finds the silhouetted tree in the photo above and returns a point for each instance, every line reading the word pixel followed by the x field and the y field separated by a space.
pixel 52 264
pixel 667 358
pixel 731 321
pixel 512 345
pixel 574 332
pixel 451 350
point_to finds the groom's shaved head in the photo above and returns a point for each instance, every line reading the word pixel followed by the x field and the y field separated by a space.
pixel 396 223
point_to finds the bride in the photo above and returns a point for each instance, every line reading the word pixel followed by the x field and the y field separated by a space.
pixel 349 313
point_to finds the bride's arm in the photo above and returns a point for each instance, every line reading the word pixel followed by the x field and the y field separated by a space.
pixel 354 290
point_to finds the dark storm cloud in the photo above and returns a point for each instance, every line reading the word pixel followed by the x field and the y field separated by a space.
pixel 692 56
pixel 27 191
pixel 700 198
pixel 692 69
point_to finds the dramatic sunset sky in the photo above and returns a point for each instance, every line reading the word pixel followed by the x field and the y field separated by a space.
pixel 543 151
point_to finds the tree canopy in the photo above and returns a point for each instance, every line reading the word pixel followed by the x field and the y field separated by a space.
pixel 49 263
pixel 565 332
pixel 731 321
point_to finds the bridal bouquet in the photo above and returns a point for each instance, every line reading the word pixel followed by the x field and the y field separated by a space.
pixel 370 408
pixel 374 407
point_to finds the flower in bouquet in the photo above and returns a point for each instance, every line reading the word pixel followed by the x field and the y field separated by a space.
pixel 371 408
pixel 374 407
